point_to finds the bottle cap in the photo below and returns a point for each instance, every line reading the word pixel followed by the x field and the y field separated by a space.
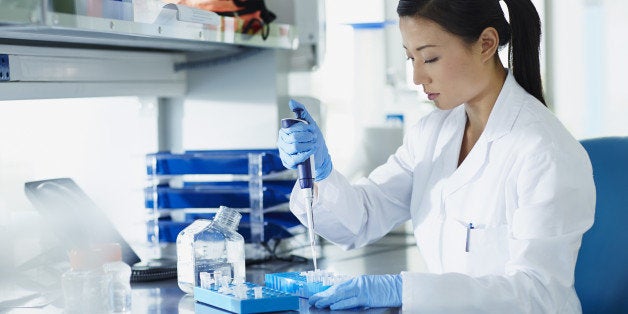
pixel 229 217
pixel 110 252
pixel 95 256
pixel 85 259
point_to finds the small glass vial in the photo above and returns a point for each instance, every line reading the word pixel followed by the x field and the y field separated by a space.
pixel 210 246
pixel 85 285
pixel 120 275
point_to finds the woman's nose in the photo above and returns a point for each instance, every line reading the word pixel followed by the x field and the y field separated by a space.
pixel 419 76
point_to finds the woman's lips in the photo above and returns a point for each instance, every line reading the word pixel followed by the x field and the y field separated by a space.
pixel 432 96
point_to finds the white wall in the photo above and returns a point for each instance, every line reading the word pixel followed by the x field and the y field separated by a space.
pixel 590 46
pixel 232 105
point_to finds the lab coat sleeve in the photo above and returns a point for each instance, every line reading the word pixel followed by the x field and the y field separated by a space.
pixel 353 215
pixel 555 206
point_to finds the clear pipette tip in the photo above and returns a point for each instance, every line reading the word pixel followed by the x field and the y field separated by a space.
pixel 310 223
pixel 313 246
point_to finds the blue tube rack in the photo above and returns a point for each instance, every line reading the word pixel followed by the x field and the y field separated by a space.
pixel 296 283
pixel 271 301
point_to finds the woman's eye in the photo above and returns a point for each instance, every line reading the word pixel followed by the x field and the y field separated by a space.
pixel 431 60
pixel 410 58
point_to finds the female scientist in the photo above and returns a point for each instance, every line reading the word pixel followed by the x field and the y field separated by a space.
pixel 498 191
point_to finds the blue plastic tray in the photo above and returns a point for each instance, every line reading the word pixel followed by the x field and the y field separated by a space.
pixel 271 300
pixel 276 226
pixel 212 162
pixel 214 194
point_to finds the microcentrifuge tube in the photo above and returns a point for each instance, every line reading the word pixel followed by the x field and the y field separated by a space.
pixel 257 292
pixel 206 280
pixel 240 291
pixel 217 278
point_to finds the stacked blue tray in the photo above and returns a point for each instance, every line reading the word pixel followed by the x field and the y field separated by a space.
pixel 209 194
pixel 212 162
pixel 214 194
pixel 276 226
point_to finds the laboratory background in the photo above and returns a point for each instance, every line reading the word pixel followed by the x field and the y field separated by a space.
pixel 96 114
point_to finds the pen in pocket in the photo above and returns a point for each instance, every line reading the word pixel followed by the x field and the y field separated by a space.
pixel 469 227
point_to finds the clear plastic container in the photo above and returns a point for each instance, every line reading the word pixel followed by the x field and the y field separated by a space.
pixel 98 282
pixel 85 285
pixel 212 246
pixel 120 276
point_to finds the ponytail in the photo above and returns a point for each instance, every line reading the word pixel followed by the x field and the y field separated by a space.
pixel 469 18
pixel 523 53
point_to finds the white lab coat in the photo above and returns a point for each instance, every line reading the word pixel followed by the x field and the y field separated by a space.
pixel 526 186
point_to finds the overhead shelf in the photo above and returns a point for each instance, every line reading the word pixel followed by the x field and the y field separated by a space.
pixel 33 21
pixel 68 55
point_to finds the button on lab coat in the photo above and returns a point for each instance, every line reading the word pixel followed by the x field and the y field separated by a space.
pixel 499 233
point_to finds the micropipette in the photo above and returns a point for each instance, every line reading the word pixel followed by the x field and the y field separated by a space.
pixel 306 182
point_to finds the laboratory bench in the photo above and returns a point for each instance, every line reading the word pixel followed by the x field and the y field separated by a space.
pixel 394 253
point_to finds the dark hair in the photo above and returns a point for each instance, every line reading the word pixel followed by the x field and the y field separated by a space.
pixel 469 18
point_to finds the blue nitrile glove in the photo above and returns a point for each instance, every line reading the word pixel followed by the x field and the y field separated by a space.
pixel 301 140
pixel 362 291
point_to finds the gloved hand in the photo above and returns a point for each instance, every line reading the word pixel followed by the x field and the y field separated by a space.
pixel 362 291
pixel 301 140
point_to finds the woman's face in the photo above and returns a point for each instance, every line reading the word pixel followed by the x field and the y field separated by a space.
pixel 448 68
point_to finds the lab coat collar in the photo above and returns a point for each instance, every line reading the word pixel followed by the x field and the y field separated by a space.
pixel 505 111
pixel 451 131
pixel 500 122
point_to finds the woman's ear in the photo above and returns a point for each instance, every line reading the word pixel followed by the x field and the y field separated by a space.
pixel 489 41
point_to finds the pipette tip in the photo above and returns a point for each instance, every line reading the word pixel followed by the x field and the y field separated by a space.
pixel 314 255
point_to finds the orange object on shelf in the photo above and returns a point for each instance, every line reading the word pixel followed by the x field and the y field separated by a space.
pixel 251 16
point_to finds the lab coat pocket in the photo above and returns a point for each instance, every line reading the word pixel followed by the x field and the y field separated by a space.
pixel 486 248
